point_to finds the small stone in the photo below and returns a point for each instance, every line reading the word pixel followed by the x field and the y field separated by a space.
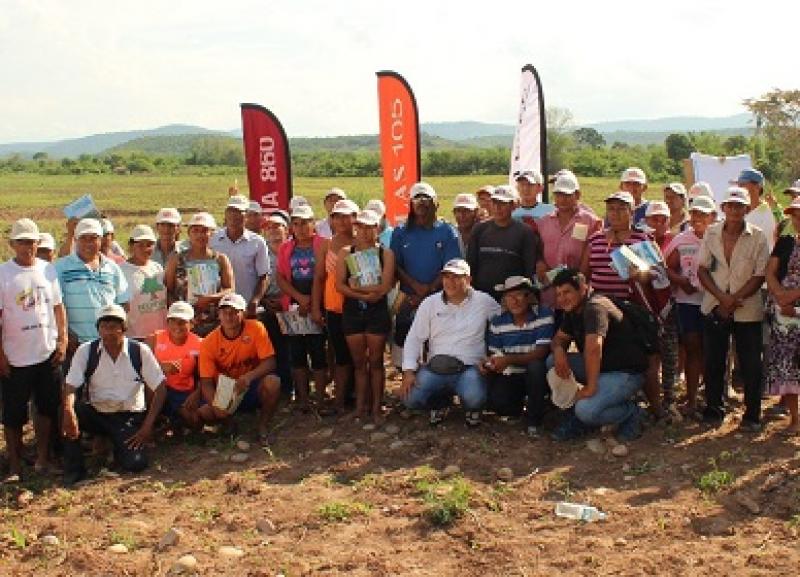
pixel 626 467
pixel 596 446
pixel 611 442
pixel 327 451
pixel 213 452
pixel 185 563
pixel 749 504
pixel 396 445
pixel 505 474
pixel 325 433
pixel 628 478
pixel 620 451
pixel 243 446
pixel 601 491
pixel 348 447
pixel 772 482
pixel 451 471
pixel 239 457
pixel 170 538
pixel 738 436
pixel 392 429
pixel 369 427
pixel 24 498
pixel 117 549
pixel 231 552
pixel 620 542
pixel 378 437
pixel 265 526
pixel 50 541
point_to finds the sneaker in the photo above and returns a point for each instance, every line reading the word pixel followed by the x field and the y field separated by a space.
pixel 750 427
pixel 534 432
pixel 72 477
pixel 472 418
pixel 630 429
pixel 776 412
pixel 437 416
pixel 570 428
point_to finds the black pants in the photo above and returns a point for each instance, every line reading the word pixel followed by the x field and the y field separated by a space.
pixel 280 343
pixel 749 347
pixel 506 394
pixel 538 392
pixel 119 427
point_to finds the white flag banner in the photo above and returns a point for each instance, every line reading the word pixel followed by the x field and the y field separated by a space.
pixel 530 139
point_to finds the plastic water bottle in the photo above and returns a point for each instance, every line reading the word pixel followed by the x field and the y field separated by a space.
pixel 579 512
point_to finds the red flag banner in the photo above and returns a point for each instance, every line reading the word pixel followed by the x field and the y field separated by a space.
pixel 399 141
pixel 530 140
pixel 266 152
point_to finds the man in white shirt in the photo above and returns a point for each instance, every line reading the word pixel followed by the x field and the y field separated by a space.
pixel 32 345
pixel 111 374
pixel 760 214
pixel 453 322
pixel 247 252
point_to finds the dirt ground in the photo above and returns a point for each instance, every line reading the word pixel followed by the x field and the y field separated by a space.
pixel 331 498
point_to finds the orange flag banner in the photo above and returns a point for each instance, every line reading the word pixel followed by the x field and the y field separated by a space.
pixel 399 141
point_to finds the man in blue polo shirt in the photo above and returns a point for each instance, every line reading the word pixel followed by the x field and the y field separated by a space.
pixel 518 343
pixel 422 246
pixel 89 281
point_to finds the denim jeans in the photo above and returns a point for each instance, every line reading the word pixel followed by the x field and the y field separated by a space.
pixel 613 402
pixel 749 347
pixel 429 388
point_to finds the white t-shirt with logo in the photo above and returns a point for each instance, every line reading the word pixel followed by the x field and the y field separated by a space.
pixel 27 297
pixel 148 304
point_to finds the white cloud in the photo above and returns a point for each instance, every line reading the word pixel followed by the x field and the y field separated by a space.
pixel 73 68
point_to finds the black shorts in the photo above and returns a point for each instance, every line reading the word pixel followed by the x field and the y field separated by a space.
pixel 43 380
pixel 373 320
pixel 303 346
pixel 341 352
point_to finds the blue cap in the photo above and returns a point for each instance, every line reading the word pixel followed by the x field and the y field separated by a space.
pixel 751 175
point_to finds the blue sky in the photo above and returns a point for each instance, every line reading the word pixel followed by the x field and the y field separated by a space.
pixel 71 68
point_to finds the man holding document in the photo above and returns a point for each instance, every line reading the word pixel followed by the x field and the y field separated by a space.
pixel 237 362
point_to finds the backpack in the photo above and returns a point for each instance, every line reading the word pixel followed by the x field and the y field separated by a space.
pixel 134 353
pixel 643 322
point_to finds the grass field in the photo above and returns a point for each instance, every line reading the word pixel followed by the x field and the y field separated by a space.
pixel 133 199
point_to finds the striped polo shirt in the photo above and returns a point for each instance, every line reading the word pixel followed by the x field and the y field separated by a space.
pixel 86 291
pixel 507 338
pixel 603 278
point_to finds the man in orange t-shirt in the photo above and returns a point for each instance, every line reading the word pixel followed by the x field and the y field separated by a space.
pixel 240 349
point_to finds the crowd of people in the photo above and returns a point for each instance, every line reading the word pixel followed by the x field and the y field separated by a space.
pixel 519 308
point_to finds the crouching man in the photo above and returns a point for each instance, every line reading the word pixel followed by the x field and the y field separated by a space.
pixel 453 321
pixel 612 356
pixel 105 395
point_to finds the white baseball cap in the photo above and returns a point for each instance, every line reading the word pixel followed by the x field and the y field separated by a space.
pixel 738 195
pixel 233 300
pixel 622 195
pixel 423 189
pixel 566 183
pixel 457 266
pixel 336 192
pixel 701 188
pixel 297 201
pixel 487 188
pixel 279 217
pixel 633 174
pixel 113 311
pixel 142 232
pixel 181 310
pixel 108 226
pixel 702 203
pixel 505 193
pixel 465 200
pixel 794 189
pixel 794 206
pixel 677 188
pixel 254 207
pixel 238 202
pixel 46 241
pixel 533 176
pixel 368 218
pixel 657 208
pixel 202 219
pixel 88 226
pixel 377 206
pixel 168 215
pixel 25 229
pixel 345 206
pixel 303 212
pixel 514 282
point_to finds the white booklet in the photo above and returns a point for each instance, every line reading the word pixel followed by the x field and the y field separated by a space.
pixel 226 398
